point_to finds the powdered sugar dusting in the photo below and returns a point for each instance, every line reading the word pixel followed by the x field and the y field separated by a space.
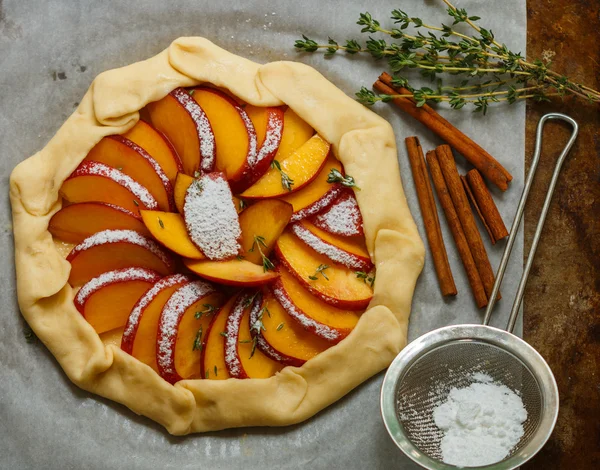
pixel 342 218
pixel 252 157
pixel 111 277
pixel 262 344
pixel 149 296
pixel 178 303
pixel 319 329
pixel 208 146
pixel 232 328
pixel 210 217
pixel 335 254
pixel 319 205
pixel 121 236
pixel 87 168
pixel 272 139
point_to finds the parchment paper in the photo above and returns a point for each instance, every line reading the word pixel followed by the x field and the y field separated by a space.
pixel 49 53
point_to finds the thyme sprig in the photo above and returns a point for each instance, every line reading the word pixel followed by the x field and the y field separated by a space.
pixel 286 181
pixel 367 278
pixel 320 270
pixel 209 309
pixel 197 346
pixel 257 244
pixel 500 74
pixel 257 328
pixel 335 176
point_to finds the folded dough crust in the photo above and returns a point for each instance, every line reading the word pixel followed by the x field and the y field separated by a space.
pixel 362 141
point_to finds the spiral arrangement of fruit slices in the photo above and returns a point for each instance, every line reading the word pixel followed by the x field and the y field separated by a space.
pixel 213 241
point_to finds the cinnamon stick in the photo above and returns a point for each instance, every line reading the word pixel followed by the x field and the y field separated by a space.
pixel 461 204
pixel 473 201
pixel 430 216
pixel 486 204
pixel 458 234
pixel 478 157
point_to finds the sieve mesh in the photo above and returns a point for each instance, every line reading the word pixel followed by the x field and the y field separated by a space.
pixel 429 379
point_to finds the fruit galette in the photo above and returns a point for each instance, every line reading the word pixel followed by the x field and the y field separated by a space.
pixel 201 218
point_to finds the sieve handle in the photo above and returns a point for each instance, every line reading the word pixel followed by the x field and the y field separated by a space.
pixel 519 216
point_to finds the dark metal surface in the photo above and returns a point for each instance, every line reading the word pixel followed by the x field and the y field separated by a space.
pixel 562 300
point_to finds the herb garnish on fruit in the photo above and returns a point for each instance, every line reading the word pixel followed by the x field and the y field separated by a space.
pixel 198 341
pixel 208 310
pixel 336 177
pixel 258 242
pixel 493 72
pixel 286 181
pixel 320 270
pixel 366 277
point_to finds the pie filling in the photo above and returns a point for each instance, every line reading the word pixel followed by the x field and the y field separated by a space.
pixel 216 239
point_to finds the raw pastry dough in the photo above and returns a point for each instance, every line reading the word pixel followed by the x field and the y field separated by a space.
pixel 363 142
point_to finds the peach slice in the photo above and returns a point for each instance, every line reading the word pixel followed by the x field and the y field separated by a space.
pixel 105 301
pixel 318 195
pixel 351 252
pixel 118 152
pixel 281 337
pixel 169 230
pixel 139 335
pixel 179 117
pixel 342 218
pixel 97 182
pixel 213 353
pixel 182 325
pixel 261 225
pixel 333 283
pixel 296 132
pixel 115 249
pixel 324 320
pixel 268 124
pixel 231 272
pixel 235 136
pixel 153 142
pixel 210 217
pixel 78 221
pixel 301 167
pixel 183 182
pixel 243 359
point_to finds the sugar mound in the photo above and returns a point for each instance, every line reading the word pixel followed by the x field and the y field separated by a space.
pixel 482 423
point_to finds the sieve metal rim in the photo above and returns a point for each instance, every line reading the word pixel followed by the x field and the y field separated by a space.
pixel 487 334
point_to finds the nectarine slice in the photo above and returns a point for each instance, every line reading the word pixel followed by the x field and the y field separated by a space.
pixel 97 182
pixel 179 117
pixel 268 124
pixel 181 330
pixel 115 249
pixel 331 282
pixel 169 230
pixel 295 172
pixel 296 132
pixel 342 218
pixel 153 142
pixel 318 195
pixel 243 359
pixel 261 225
pixel 282 338
pixel 118 152
pixel 78 221
pixel 105 301
pixel 351 252
pixel 210 217
pixel 213 352
pixel 139 335
pixel 232 272
pixel 324 320
pixel 235 136
pixel 183 182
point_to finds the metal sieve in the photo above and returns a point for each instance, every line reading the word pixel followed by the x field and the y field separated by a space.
pixel 424 372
